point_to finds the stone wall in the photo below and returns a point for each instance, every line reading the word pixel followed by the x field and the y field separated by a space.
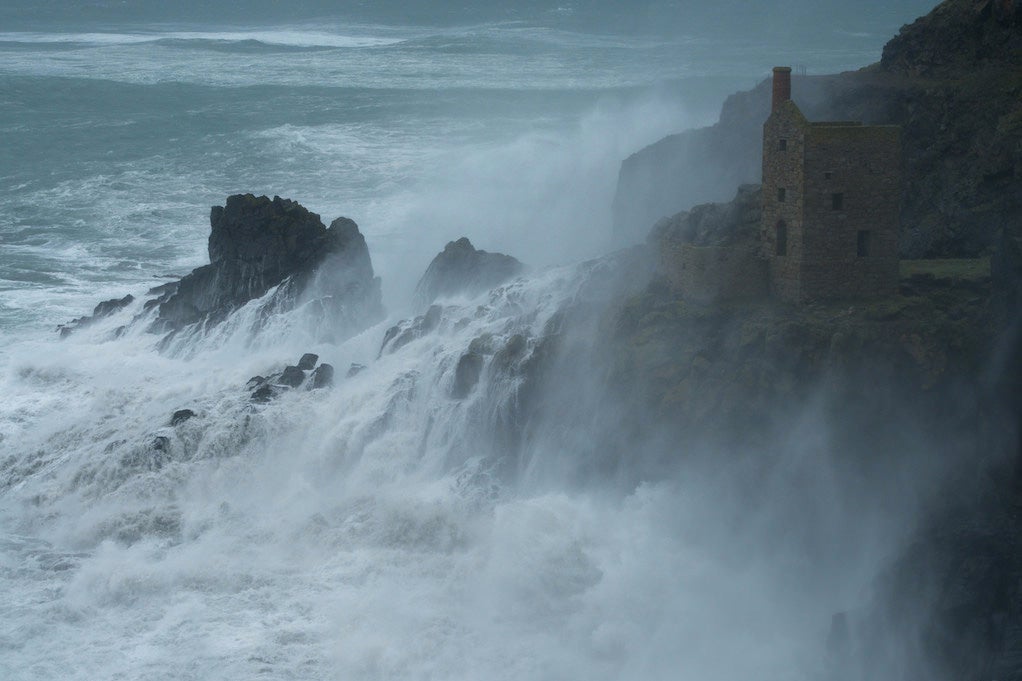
pixel 862 165
pixel 709 274
pixel 783 169
pixel 836 187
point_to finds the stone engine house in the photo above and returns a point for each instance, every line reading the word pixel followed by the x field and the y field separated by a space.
pixel 831 204
pixel 823 226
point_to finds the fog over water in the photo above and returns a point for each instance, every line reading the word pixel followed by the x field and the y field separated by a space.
pixel 381 530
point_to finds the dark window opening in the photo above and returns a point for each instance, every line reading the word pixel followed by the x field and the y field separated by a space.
pixel 782 238
pixel 782 145
pixel 828 175
pixel 837 201
pixel 781 193
pixel 862 244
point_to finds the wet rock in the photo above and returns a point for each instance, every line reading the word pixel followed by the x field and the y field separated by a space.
pixel 264 393
pixel 180 416
pixel 355 370
pixel 257 243
pixel 292 377
pixel 466 375
pixel 405 332
pixel 323 376
pixel 483 345
pixel 462 269
pixel 512 351
pixel 104 309
pixel 255 381
pixel 160 443
pixel 308 361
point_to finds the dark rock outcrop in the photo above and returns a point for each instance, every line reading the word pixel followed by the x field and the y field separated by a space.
pixel 715 224
pixel 323 376
pixel 462 269
pixel 950 80
pixel 257 243
pixel 308 361
pixel 104 309
pixel 292 377
pixel 958 36
pixel 180 416
pixel 466 375
pixel 405 332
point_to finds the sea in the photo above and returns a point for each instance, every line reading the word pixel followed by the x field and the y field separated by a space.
pixel 365 532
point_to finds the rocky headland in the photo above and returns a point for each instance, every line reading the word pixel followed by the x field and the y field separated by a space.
pixel 258 244
pixel 943 358
pixel 941 361
pixel 461 268
pixel 951 80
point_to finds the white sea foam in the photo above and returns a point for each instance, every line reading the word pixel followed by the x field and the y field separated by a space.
pixel 372 531
pixel 358 533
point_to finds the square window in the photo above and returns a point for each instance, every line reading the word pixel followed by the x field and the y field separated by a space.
pixel 781 193
pixel 862 244
pixel 782 145
pixel 837 201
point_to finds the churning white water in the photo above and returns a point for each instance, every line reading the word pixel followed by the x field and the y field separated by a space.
pixel 380 529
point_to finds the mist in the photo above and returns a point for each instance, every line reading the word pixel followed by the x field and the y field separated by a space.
pixel 575 473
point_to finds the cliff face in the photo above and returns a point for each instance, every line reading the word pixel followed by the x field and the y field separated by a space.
pixel 951 80
pixel 942 361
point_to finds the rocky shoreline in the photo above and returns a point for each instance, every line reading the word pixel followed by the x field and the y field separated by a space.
pixel 943 357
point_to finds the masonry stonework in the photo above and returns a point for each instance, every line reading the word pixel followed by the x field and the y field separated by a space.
pixel 710 274
pixel 829 218
pixel 833 231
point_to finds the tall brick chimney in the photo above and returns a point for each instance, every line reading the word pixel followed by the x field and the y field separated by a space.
pixel 782 86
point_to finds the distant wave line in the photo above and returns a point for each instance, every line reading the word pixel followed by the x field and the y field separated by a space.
pixel 293 38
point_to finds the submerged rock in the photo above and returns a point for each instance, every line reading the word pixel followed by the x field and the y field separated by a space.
pixel 180 416
pixel 264 393
pixel 462 269
pixel 355 370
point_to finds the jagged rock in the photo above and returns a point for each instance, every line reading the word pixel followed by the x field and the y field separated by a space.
pixel 255 381
pixel 264 393
pixel 308 361
pixel 462 269
pixel 715 224
pixel 958 35
pixel 482 345
pixel 180 416
pixel 950 80
pixel 355 370
pixel 405 332
pixel 512 350
pixel 257 243
pixel 466 375
pixel 104 309
pixel 292 377
pixel 323 376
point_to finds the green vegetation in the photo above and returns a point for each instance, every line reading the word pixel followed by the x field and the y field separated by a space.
pixel 971 269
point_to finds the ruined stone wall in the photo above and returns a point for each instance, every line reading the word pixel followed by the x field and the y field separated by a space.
pixel 862 166
pixel 709 274
pixel 783 169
